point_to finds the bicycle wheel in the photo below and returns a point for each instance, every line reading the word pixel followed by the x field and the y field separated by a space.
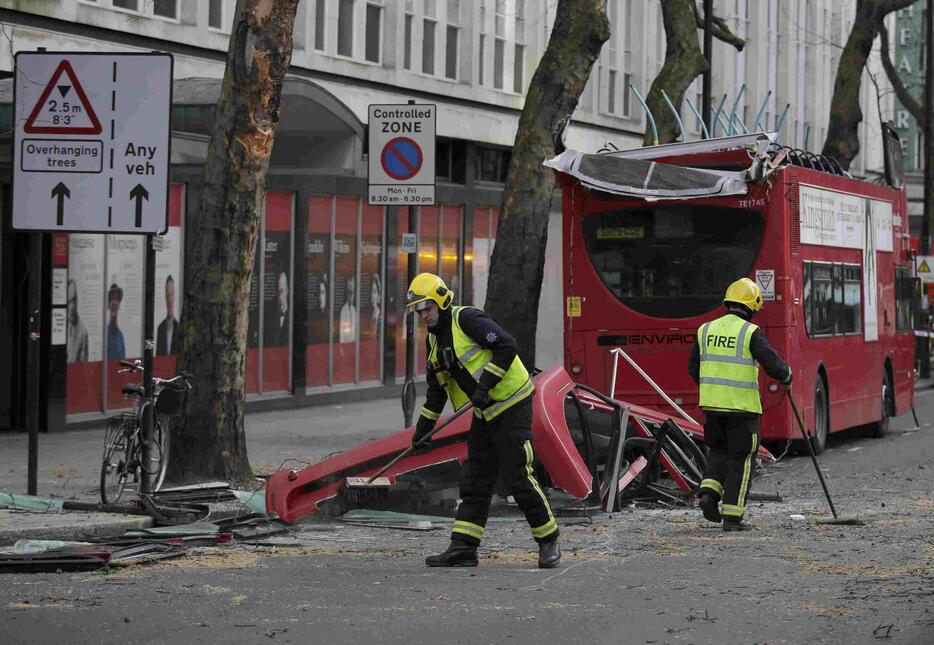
pixel 159 455
pixel 115 465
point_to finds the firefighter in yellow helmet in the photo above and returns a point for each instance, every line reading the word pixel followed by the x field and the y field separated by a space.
pixel 472 360
pixel 725 363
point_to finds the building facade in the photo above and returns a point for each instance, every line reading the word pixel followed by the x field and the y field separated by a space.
pixel 329 279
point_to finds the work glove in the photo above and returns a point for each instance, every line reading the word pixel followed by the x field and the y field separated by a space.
pixel 481 397
pixel 423 428
pixel 787 383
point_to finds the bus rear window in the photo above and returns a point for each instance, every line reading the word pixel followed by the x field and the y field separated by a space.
pixel 673 261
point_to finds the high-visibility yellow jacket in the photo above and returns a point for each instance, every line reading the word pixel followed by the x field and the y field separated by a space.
pixel 514 385
pixel 729 375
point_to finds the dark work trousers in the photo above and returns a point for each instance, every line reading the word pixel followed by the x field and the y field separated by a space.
pixel 502 445
pixel 733 441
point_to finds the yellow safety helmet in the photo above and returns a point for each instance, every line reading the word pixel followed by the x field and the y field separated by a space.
pixel 425 287
pixel 744 292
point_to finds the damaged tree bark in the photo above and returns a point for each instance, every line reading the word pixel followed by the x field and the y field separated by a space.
pixel 208 440
pixel 842 141
pixel 517 266
pixel 684 61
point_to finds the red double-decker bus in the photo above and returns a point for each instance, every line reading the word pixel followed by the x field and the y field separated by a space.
pixel 653 237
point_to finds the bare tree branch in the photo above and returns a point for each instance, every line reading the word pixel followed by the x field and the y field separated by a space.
pixel 720 30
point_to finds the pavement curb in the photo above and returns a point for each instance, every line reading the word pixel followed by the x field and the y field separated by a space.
pixel 67 526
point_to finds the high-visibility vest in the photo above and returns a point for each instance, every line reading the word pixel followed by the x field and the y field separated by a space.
pixel 729 375
pixel 514 386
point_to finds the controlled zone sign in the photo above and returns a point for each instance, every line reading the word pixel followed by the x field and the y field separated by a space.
pixel 91 142
pixel 401 167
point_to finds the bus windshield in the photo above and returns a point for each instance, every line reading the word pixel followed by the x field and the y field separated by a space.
pixel 672 261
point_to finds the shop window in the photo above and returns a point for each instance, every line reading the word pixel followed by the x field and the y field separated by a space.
pixel 450 164
pixel 277 296
pixel 492 164
pixel 345 319
pixel 485 222
pixel 129 5
pixel 451 250
pixel 371 293
pixel 318 267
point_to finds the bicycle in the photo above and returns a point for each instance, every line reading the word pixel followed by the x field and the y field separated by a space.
pixel 123 443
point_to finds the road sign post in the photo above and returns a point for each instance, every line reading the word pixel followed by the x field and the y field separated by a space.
pixel 91 154
pixel 401 168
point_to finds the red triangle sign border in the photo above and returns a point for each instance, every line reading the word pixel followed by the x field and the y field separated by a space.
pixel 30 126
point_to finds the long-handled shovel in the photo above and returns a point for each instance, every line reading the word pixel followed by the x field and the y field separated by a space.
pixel 853 521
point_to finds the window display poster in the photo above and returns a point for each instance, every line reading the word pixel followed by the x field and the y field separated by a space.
pixel 84 323
pixel 345 319
pixel 277 293
pixel 123 316
pixel 167 301
pixel 318 298
pixel 371 292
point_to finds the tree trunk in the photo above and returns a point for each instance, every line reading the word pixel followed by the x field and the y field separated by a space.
pixel 516 269
pixel 842 141
pixel 208 441
pixel 684 60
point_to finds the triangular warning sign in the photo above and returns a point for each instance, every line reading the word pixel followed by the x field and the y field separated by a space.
pixel 924 268
pixel 67 112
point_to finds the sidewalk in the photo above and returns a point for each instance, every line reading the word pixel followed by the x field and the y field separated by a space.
pixel 69 462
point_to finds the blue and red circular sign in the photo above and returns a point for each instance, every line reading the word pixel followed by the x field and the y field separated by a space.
pixel 401 158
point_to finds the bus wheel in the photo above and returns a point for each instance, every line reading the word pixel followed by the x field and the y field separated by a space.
pixel 881 427
pixel 821 417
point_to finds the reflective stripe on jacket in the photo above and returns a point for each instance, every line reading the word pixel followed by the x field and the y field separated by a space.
pixel 729 375
pixel 514 386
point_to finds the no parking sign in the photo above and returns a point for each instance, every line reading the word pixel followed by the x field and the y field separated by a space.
pixel 402 154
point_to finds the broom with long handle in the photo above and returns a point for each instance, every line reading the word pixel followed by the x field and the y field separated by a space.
pixel 807 440
pixel 376 488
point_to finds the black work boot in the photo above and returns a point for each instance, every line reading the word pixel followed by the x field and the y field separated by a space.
pixel 736 524
pixel 458 554
pixel 708 504
pixel 549 554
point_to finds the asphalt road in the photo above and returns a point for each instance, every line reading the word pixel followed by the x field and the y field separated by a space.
pixel 639 576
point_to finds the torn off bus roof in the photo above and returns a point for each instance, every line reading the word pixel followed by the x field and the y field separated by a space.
pixel 648 180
